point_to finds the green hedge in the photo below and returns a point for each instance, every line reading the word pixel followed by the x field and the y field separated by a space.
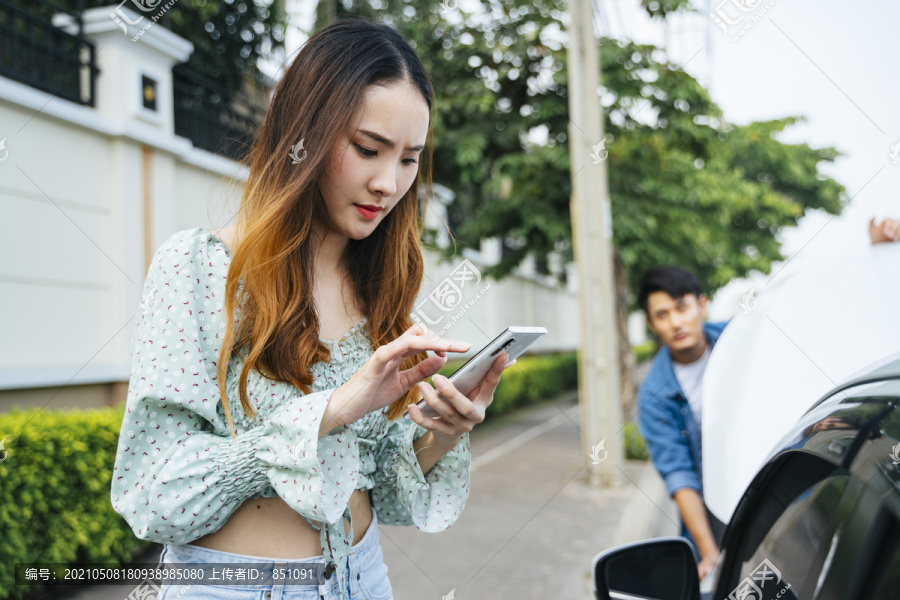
pixel 635 446
pixel 532 379
pixel 55 492
pixel 537 378
pixel 645 351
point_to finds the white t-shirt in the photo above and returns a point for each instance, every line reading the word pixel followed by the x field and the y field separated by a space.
pixel 690 378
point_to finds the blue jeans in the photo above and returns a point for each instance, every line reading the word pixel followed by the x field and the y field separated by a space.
pixel 367 576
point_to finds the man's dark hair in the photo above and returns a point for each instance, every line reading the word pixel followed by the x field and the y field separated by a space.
pixel 674 281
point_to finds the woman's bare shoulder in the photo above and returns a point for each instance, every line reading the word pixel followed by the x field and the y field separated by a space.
pixel 227 234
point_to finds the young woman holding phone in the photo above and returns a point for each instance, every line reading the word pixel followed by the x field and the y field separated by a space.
pixel 278 439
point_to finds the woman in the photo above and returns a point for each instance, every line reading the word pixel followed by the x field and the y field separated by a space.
pixel 326 242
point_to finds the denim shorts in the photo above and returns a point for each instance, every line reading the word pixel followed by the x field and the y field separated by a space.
pixel 367 577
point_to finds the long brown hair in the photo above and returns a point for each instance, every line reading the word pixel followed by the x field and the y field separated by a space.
pixel 315 102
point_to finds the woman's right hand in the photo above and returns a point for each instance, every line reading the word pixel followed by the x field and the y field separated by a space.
pixel 380 381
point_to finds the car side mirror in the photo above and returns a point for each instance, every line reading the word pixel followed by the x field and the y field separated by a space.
pixel 660 569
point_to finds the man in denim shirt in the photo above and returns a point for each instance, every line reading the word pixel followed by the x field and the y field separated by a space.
pixel 669 399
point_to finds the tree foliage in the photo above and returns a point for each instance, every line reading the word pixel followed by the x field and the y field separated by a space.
pixel 229 36
pixel 686 186
pixel 663 8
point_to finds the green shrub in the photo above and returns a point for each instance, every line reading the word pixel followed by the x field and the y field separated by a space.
pixel 645 351
pixel 532 379
pixel 55 492
pixel 635 446
pixel 537 378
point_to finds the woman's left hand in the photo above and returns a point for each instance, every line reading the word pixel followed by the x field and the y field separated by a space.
pixel 462 413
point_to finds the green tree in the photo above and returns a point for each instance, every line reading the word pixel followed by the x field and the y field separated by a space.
pixel 663 8
pixel 230 37
pixel 686 186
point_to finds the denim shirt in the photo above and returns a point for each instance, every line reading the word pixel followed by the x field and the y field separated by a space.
pixel 667 423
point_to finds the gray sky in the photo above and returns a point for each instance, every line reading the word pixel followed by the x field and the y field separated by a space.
pixel 834 63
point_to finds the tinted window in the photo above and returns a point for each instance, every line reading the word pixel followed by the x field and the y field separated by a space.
pixel 885 577
pixel 783 546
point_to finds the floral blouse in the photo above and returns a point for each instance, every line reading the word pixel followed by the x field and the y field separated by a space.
pixel 179 474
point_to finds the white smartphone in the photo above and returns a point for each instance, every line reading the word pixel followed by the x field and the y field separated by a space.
pixel 513 341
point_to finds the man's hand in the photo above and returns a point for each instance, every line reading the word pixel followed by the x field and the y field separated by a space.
pixel 693 513
pixel 886 231
pixel 706 566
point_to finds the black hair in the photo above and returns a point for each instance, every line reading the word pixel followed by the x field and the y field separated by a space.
pixel 674 281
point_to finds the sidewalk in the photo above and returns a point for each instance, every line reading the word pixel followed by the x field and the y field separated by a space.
pixel 532 525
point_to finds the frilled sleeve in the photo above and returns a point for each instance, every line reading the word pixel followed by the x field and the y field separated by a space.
pixel 178 473
pixel 403 495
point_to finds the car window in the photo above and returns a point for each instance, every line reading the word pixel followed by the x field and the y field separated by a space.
pixel 781 550
pixel 885 575
pixel 798 542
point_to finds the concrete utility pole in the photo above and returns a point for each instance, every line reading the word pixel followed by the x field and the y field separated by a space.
pixel 598 369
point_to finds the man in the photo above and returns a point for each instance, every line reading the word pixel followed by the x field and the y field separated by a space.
pixel 670 399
